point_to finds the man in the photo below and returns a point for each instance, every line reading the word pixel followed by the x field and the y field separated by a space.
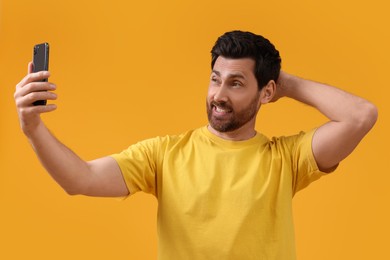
pixel 224 190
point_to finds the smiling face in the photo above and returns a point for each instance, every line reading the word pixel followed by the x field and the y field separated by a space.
pixel 233 98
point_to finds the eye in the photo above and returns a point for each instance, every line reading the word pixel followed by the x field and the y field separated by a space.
pixel 214 79
pixel 237 84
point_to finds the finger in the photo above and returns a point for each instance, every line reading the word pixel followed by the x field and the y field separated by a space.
pixel 30 68
pixel 30 98
pixel 32 77
pixel 36 86
pixel 34 110
pixel 45 109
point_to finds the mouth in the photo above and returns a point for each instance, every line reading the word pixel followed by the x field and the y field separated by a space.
pixel 221 109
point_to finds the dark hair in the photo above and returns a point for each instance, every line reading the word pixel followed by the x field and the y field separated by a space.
pixel 239 44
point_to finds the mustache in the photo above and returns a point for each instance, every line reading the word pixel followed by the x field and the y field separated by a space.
pixel 223 104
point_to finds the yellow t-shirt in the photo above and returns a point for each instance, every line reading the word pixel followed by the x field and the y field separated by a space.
pixel 220 199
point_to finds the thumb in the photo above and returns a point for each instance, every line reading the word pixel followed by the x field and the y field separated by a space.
pixel 30 67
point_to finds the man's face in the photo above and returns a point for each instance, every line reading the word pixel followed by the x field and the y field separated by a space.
pixel 233 96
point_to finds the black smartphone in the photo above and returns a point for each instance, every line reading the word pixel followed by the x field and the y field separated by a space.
pixel 41 62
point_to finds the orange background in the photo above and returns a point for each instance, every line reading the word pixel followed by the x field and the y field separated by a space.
pixel 129 70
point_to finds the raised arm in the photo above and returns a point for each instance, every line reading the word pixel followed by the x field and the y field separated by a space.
pixel 351 117
pixel 101 177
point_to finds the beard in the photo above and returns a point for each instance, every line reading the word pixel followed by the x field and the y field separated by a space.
pixel 233 120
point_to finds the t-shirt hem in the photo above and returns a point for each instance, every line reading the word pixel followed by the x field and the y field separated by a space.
pixel 129 186
pixel 312 160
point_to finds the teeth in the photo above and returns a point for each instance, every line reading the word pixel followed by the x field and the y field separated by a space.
pixel 218 109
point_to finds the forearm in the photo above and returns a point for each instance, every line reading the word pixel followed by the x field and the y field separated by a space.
pixel 334 103
pixel 63 165
pixel 100 177
pixel 350 117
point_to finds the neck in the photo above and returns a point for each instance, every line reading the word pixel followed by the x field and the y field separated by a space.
pixel 241 134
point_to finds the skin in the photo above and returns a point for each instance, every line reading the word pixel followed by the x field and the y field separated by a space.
pixel 101 177
pixel 350 117
pixel 232 92
pixel 233 96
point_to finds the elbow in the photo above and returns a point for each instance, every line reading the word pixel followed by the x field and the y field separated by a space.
pixel 371 115
pixel 72 191
pixel 77 184
pixel 367 117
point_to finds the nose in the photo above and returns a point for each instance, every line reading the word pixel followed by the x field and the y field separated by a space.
pixel 221 94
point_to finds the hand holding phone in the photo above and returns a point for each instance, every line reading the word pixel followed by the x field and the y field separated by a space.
pixel 41 62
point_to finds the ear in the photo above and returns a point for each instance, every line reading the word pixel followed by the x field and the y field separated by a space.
pixel 267 93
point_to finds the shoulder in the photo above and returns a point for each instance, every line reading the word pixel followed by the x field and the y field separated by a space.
pixel 167 140
pixel 299 141
pixel 302 136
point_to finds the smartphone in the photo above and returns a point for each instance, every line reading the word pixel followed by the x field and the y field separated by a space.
pixel 41 62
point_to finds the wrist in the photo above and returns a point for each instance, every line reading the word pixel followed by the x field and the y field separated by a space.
pixel 288 84
pixel 283 84
pixel 33 130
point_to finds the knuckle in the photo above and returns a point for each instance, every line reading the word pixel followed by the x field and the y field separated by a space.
pixel 32 95
pixel 29 77
pixel 31 86
pixel 32 77
pixel 18 103
pixel 37 96
pixel 21 83
pixel 29 98
pixel 23 112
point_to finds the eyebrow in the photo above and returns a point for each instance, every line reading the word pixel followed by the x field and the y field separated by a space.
pixel 230 75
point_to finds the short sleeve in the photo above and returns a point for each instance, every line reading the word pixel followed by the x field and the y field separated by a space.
pixel 305 169
pixel 138 164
